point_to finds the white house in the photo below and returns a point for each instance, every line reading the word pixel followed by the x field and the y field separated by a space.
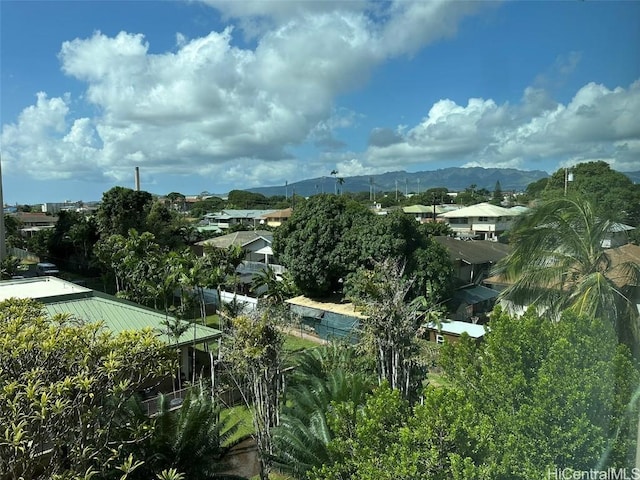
pixel 257 247
pixel 483 221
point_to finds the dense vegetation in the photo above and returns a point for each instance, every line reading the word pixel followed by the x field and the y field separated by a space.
pixel 555 388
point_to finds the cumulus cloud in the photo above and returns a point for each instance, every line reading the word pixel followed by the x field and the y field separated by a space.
pixel 597 124
pixel 209 105
pixel 212 108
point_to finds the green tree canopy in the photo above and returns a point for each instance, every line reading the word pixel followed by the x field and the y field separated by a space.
pixel 329 238
pixel 536 395
pixel 208 205
pixel 122 209
pixel 612 193
pixel 243 200
pixel 308 242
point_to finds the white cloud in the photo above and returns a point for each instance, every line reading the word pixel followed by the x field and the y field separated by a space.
pixel 211 108
pixel 598 123
pixel 209 104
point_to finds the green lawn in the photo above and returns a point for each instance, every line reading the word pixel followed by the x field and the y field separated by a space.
pixel 293 343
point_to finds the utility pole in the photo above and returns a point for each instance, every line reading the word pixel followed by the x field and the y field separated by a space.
pixel 568 177
pixel 3 245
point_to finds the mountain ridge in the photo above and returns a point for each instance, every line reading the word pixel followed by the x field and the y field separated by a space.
pixel 452 178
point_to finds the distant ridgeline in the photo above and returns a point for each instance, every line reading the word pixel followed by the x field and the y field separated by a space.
pixel 455 179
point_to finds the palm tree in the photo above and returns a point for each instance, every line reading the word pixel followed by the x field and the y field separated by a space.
pixel 193 439
pixel 267 285
pixel 323 377
pixel 559 263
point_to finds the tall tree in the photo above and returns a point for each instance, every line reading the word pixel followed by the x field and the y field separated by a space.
pixel 308 242
pixel 612 193
pixel 256 355
pixel 390 325
pixel 122 209
pixel 558 262
pixel 497 196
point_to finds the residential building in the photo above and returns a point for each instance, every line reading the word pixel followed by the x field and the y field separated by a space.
pixel 617 235
pixel 483 221
pixel 277 218
pixel 257 247
pixel 228 218
pixel 452 330
pixel 53 208
pixel 116 314
pixel 472 262
pixel 617 273
pixel 34 222
pixel 427 213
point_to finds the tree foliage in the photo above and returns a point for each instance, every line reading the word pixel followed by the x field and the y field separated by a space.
pixel 63 387
pixel 308 242
pixel 331 237
pixel 391 322
pixel 536 396
pixel 255 354
pixel 193 439
pixel 323 377
pixel 556 394
pixel 613 194
pixel 558 262
pixel 122 209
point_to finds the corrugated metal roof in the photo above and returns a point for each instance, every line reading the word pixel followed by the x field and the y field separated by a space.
pixel 242 238
pixel 476 294
pixel 454 327
pixel 119 316
pixel 60 296
pixel 346 308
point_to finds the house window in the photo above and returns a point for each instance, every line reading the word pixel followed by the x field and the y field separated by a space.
pixel 439 339
pixel 459 221
pixel 483 219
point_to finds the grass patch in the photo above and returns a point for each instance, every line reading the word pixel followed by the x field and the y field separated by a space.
pixel 438 379
pixel 213 321
pixel 293 343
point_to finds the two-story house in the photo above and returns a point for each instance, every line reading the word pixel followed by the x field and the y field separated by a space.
pixel 30 223
pixel 228 218
pixel 483 221
pixel 257 247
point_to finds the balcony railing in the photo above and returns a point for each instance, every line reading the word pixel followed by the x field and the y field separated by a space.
pixel 254 267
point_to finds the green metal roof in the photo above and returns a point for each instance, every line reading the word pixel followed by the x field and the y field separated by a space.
pixel 118 315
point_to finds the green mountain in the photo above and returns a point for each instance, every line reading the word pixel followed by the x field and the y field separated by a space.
pixel 454 179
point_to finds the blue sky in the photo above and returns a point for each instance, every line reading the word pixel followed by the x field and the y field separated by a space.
pixel 216 95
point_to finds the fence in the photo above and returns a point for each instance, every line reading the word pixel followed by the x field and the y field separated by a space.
pixel 22 254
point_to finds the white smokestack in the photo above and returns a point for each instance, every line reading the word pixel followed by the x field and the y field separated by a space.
pixel 137 179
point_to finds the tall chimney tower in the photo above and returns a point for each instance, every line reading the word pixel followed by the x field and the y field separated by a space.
pixel 137 179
